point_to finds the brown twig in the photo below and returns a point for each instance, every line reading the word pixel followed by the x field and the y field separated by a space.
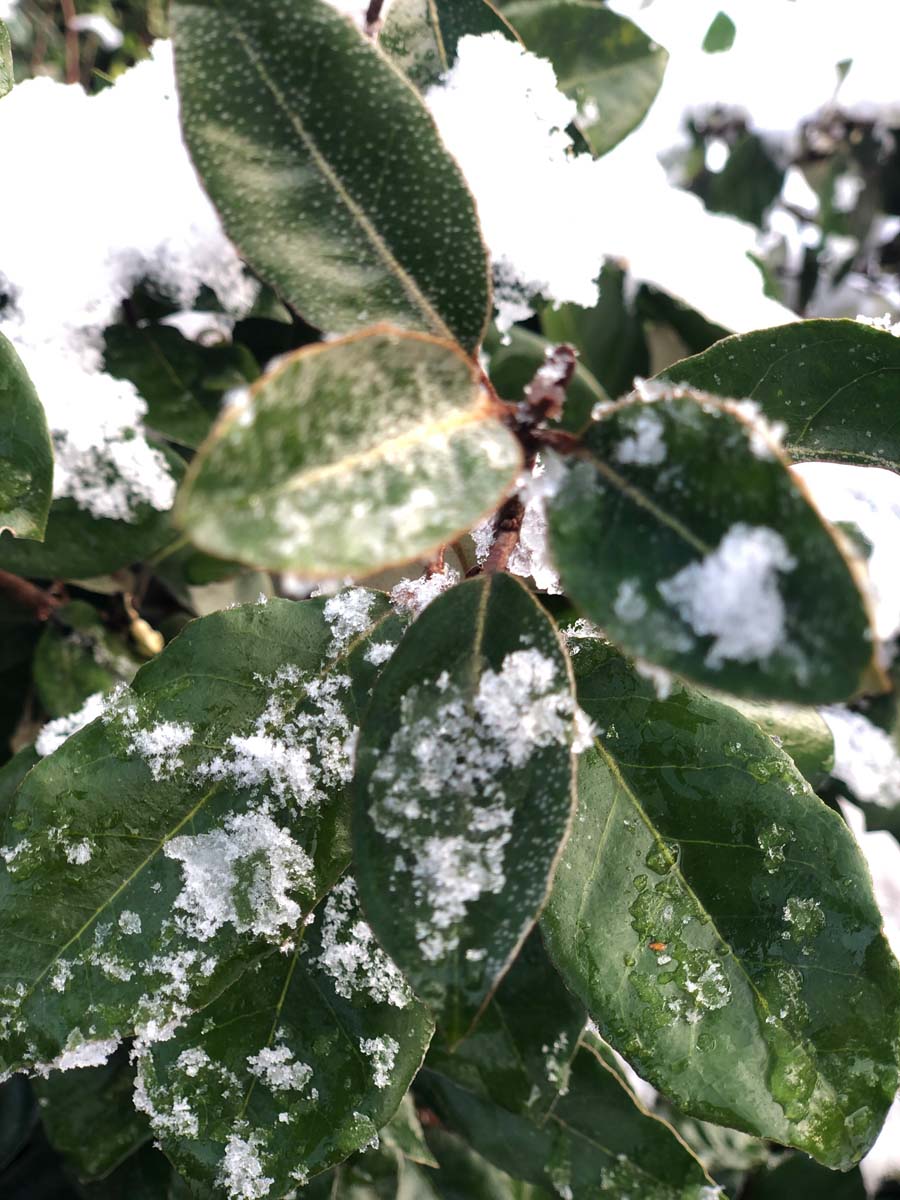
pixel 544 399
pixel 73 71
pixel 28 595
pixel 373 16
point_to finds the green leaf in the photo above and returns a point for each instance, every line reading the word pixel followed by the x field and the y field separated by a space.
pixel 79 545
pixel 720 35
pixel 89 1117
pixel 680 530
pixel 404 1132
pixel 349 457
pixel 147 1175
pixel 519 1054
pixel 77 656
pixel 464 790
pixel 797 1176
pixel 164 848
pixel 603 61
pixel 596 1140
pixel 718 921
pixel 6 62
pixel 26 453
pixel 11 775
pixel 294 1067
pixel 327 169
pixel 182 381
pixel 513 364
pixel 609 337
pixel 465 1175
pixel 800 732
pixel 18 1115
pixel 421 36
pixel 831 383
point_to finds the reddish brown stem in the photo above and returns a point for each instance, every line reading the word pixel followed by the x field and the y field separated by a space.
pixel 506 535
pixel 373 15
pixel 28 595
pixel 73 73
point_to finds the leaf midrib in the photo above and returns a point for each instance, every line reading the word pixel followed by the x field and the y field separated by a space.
pixel 355 209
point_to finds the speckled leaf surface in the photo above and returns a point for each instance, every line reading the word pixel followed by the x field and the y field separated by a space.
pixel 26 453
pixel 169 844
pixel 718 921
pixel 602 60
pixel 421 36
pixel 680 530
pixel 349 457
pixel 597 1141
pixel 78 545
pixel 182 381
pixel 832 383
pixel 89 1117
pixel 293 1068
pixel 6 62
pixel 464 791
pixel 327 170
pixel 519 1053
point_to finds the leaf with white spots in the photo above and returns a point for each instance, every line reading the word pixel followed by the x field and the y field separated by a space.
pixel 680 530
pixel 296 1066
pixel 6 63
pixel 351 456
pixel 465 772
pixel 718 921
pixel 164 848
pixel 327 170
pixel 832 385
pixel 26 453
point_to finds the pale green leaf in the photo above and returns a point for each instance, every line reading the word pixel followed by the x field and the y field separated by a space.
pixel 349 457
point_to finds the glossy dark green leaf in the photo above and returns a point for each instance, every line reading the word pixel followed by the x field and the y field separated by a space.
pixel 718 921
pixel 327 170
pixel 597 1141
pixel 465 1175
pixel 11 775
pixel 602 60
pixel 6 62
pixel 89 1117
pixel 513 364
pixel 164 848
pixel 18 1114
pixel 680 530
pixel 294 1067
pixel 182 381
pixel 831 383
pixel 800 732
pixel 77 656
pixel 79 545
pixel 464 791
pixel 720 35
pixel 26 453
pixel 609 337
pixel 797 1177
pixel 349 457
pixel 520 1052
pixel 421 36
pixel 404 1132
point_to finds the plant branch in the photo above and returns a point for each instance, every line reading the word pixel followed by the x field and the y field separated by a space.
pixel 373 16
pixel 544 399
pixel 73 72
pixel 28 595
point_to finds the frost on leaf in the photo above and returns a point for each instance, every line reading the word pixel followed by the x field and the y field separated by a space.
pixel 439 793
pixel 733 596
pixel 351 957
